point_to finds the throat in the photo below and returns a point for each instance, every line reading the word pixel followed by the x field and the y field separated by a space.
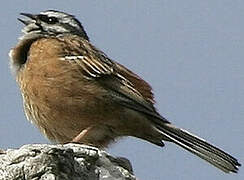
pixel 19 54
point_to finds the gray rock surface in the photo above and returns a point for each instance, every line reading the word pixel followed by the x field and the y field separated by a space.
pixel 62 162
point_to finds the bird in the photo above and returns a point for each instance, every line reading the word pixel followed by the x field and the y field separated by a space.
pixel 73 92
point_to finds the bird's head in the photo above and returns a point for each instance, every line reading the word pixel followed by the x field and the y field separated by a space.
pixel 51 23
pixel 48 23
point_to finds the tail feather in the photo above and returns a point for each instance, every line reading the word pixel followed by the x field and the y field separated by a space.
pixel 200 147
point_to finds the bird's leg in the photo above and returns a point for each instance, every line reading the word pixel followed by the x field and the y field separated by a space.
pixel 96 135
pixel 82 134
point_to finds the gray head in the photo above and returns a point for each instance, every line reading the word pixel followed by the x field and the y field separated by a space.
pixel 47 23
pixel 52 23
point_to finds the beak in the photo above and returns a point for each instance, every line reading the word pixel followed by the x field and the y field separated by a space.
pixel 26 22
pixel 31 16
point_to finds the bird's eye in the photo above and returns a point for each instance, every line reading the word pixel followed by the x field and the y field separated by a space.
pixel 49 20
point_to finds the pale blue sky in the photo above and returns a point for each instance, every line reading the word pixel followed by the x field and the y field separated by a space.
pixel 191 52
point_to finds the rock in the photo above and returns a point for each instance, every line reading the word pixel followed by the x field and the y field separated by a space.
pixel 61 162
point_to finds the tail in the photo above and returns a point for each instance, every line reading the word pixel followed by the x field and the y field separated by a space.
pixel 199 147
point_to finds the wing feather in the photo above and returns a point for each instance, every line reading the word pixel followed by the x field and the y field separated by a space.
pixel 126 87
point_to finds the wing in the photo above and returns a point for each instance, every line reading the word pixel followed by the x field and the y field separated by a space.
pixel 126 88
